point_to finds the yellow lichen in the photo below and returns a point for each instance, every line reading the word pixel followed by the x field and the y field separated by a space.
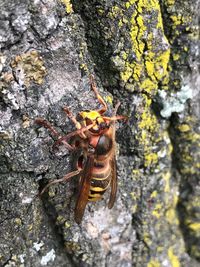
pixel 148 126
pixel 157 211
pixel 194 226
pixel 170 2
pixel 190 163
pixel 148 85
pixel 176 19
pixel 109 99
pixel 154 194
pixel 136 174
pixel 30 227
pixel 184 127
pixel 153 263
pixel 171 216
pixel 147 239
pixel 127 73
pixel 84 67
pixel 68 6
pixel 150 159
pixel 159 249
pixel 100 11
pixel 176 57
pixel 18 221
pixel 173 258
pixel 195 250
pixel 60 219
pixel 149 67
pixel 67 225
pixel 14 258
pixel 133 195
pixel 51 193
pixel 166 177
pixel 171 202
pixel 134 208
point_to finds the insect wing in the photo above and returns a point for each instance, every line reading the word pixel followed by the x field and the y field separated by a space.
pixel 113 184
pixel 84 189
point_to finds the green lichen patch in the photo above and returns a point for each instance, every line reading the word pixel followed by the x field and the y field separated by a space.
pixel 29 67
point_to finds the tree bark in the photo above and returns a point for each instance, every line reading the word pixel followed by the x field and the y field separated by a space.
pixel 143 53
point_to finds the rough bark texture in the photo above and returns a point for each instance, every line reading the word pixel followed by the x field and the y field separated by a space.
pixel 145 54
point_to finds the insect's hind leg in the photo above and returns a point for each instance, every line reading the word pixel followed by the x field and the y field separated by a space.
pixel 99 97
pixel 115 118
pixel 64 179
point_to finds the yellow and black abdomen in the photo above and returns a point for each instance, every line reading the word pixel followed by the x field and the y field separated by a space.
pixel 100 180
pixel 101 172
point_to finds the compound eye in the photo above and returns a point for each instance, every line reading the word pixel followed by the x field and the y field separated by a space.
pixel 79 117
pixel 103 125
pixel 88 121
pixel 80 162
pixel 104 145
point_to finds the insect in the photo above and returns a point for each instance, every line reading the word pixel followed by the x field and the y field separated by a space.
pixel 94 137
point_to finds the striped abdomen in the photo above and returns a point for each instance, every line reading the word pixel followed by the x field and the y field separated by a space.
pixel 101 172
pixel 100 180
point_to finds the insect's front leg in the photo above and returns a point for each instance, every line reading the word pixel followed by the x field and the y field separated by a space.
pixel 74 120
pixel 116 118
pixel 98 96
pixel 79 132
pixel 116 108
pixel 47 125
pixel 72 117
pixel 64 179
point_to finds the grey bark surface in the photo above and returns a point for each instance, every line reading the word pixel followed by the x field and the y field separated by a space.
pixel 48 50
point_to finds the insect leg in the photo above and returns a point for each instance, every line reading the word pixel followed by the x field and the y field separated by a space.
pixel 116 118
pixel 64 179
pixel 47 125
pixel 100 99
pixel 115 109
pixel 79 132
pixel 72 117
